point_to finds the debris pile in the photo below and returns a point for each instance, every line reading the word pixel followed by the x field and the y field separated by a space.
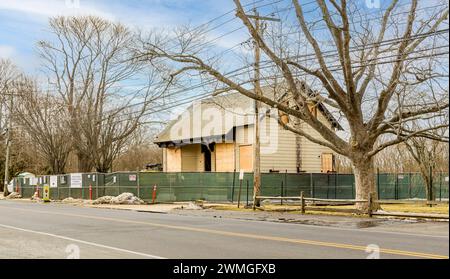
pixel 103 200
pixel 35 197
pixel 192 206
pixel 14 195
pixel 124 198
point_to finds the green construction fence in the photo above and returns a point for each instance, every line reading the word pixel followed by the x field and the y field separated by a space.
pixel 226 186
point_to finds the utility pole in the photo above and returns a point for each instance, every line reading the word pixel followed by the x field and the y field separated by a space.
pixel 257 89
pixel 8 144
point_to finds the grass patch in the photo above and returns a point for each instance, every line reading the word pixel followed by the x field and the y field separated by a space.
pixel 341 210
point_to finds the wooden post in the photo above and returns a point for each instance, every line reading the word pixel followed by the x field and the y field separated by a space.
pixel 302 200
pixel 257 91
pixel 369 210
pixel 256 142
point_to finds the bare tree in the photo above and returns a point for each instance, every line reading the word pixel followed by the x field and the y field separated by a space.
pixel 426 153
pixel 89 66
pixel 378 74
pixel 43 116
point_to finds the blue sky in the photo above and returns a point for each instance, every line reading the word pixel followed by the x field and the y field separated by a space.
pixel 24 22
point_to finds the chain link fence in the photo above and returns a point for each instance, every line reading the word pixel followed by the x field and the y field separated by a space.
pixel 226 186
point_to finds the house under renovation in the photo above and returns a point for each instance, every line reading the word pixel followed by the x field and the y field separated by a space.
pixel 217 134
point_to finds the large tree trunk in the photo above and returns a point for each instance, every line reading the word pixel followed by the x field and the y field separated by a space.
pixel 365 183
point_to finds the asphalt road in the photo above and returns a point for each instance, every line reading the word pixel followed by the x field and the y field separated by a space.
pixel 31 230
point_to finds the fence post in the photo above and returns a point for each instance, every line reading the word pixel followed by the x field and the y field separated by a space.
pixel 336 176
pixel 328 185
pixel 138 187
pixel 247 193
pixel 430 192
pixel 378 182
pixel 311 189
pixel 281 194
pixel 232 188
pixel 97 177
pixel 396 186
pixel 369 200
pixel 239 195
pixel 410 186
pixel 440 186
pixel 302 202
pixel 285 184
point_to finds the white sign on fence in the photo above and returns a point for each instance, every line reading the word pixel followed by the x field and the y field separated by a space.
pixel 33 180
pixel 76 180
pixel 446 179
pixel 241 175
pixel 132 177
pixel 53 181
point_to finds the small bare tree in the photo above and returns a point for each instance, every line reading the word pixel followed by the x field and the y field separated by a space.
pixel 378 74
pixel 427 154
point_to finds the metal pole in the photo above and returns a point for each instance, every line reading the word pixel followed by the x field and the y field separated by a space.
pixel 137 182
pixel 336 176
pixel 378 183
pixel 409 186
pixel 232 188
pixel 96 186
pixel 440 186
pixel 239 196
pixel 311 185
pixel 281 194
pixel 285 184
pixel 431 185
pixel 247 192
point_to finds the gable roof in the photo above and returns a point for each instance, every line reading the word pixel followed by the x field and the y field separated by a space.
pixel 217 116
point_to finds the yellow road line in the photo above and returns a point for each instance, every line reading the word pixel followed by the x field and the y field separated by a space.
pixel 247 235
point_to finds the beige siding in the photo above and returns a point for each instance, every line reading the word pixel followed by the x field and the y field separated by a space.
pixel 192 159
pixel 311 153
pixel 278 151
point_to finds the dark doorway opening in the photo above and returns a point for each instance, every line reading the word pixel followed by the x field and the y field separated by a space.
pixel 206 150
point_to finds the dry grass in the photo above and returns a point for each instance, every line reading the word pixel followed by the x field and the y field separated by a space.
pixel 341 210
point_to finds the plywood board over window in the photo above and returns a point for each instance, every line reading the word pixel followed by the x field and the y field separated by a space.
pixel 173 159
pixel 246 158
pixel 224 157
pixel 327 162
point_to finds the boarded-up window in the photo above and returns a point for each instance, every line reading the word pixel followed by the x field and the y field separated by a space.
pixel 224 157
pixel 246 158
pixel 327 162
pixel 192 158
pixel 173 162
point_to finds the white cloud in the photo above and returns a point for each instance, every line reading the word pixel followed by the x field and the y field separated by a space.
pixel 46 8
pixel 7 51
